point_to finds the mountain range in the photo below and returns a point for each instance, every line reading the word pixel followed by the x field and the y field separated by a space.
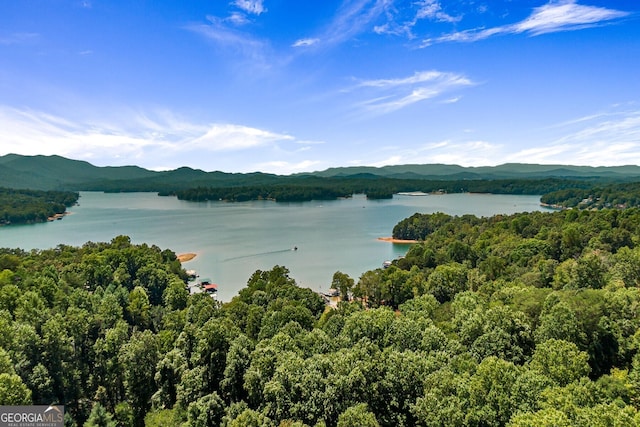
pixel 60 173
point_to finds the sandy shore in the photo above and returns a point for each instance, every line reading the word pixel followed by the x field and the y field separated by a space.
pixel 392 240
pixel 186 257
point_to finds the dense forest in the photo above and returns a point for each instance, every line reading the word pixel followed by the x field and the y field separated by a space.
pixel 279 193
pixel 29 206
pixel 521 320
pixel 621 195
pixel 375 187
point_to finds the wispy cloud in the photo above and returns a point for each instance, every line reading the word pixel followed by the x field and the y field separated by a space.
pixel 226 137
pixel 237 19
pixel 463 153
pixel 452 100
pixel 352 18
pixel 553 17
pixel 600 139
pixel 286 168
pixel 402 21
pixel 614 127
pixel 233 40
pixel 605 139
pixel 255 7
pixel 388 95
pixel 305 42
pixel 136 138
pixel 432 10
pixel 564 16
pixel 356 17
pixel 33 132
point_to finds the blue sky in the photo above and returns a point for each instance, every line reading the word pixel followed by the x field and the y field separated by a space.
pixel 287 86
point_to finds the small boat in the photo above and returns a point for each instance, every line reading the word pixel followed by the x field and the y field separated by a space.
pixel 210 288
pixel 412 193
pixel 386 264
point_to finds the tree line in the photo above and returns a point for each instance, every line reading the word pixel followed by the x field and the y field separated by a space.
pixel 29 206
pixel 375 187
pixel 621 195
pixel 279 193
pixel 513 320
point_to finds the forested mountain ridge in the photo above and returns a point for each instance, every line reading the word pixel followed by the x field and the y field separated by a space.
pixel 59 173
pixel 504 171
pixel 516 320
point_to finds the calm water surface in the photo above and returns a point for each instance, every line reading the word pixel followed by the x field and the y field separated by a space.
pixel 233 240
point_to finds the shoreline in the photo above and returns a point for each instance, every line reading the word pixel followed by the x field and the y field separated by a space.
pixel 186 257
pixel 398 241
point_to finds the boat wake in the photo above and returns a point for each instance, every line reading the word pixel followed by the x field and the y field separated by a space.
pixel 295 248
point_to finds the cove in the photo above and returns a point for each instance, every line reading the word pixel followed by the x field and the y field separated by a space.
pixel 232 240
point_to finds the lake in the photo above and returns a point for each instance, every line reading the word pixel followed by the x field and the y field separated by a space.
pixel 232 240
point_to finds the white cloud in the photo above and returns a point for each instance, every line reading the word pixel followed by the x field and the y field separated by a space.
pixel 416 78
pixel 305 42
pixel 31 132
pixel 463 153
pixel 255 7
pixel 237 19
pixel 622 127
pixel 564 16
pixel 555 16
pixel 353 17
pixel 225 137
pixel 452 100
pixel 403 20
pixel 547 154
pixel 432 10
pixel 393 94
pixel 605 139
pixel 286 168
pixel 393 160
pixel 608 139
pixel 139 139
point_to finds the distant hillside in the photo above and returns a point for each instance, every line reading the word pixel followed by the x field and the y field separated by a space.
pixel 505 171
pixel 59 173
